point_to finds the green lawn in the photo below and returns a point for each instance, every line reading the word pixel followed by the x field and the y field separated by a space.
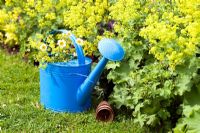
pixel 20 110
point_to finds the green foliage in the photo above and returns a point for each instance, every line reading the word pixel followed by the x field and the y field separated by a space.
pixel 160 65
pixel 1 3
pixel 189 122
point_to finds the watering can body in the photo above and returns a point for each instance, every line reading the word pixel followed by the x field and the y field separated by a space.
pixel 59 83
pixel 67 86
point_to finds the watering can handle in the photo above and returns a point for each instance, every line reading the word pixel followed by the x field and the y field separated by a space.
pixel 79 50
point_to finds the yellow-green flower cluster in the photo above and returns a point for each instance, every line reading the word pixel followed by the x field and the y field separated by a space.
pixel 83 18
pixel 21 19
pixel 174 34
pixel 54 48
pixel 9 27
pixel 125 12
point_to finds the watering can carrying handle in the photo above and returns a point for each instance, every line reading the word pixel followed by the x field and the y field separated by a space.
pixel 79 49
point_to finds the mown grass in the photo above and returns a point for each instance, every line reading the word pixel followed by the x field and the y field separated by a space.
pixel 20 110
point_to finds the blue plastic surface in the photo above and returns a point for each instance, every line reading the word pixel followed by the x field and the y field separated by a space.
pixel 59 84
pixel 90 82
pixel 111 49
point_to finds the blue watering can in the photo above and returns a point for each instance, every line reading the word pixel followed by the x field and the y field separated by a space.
pixel 67 86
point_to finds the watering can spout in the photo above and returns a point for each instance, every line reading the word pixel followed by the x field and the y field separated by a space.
pixel 111 50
